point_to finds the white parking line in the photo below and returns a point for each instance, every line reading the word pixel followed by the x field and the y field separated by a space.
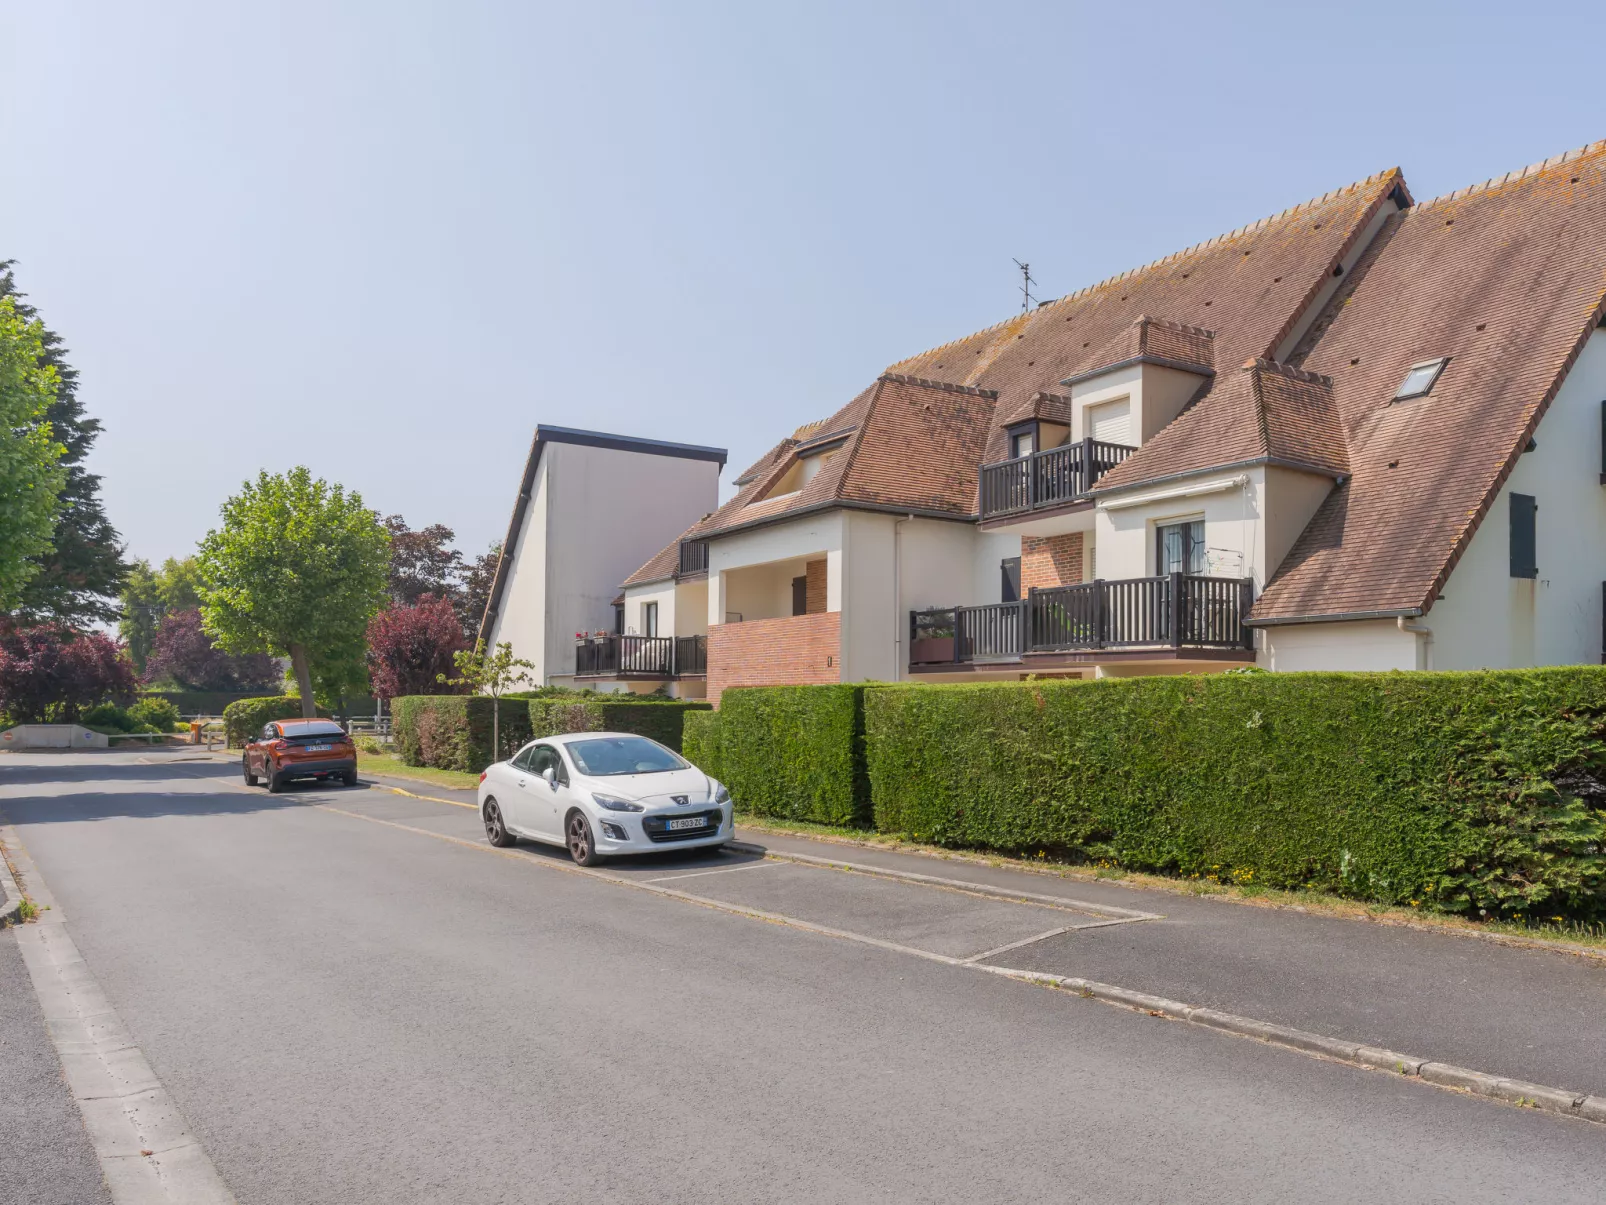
pixel 669 878
pixel 1015 945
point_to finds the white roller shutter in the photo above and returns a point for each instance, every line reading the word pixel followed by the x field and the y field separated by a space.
pixel 1111 423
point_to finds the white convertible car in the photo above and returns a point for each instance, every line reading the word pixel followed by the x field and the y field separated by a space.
pixel 600 794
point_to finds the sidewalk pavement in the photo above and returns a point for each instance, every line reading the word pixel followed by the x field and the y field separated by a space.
pixel 1530 1013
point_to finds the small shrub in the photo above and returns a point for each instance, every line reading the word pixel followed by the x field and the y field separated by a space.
pixel 108 717
pixel 155 712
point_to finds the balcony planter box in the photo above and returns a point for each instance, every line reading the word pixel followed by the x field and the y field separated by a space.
pixel 931 650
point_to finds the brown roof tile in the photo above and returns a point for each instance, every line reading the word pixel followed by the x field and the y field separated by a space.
pixel 1505 279
pixel 1265 411
pixel 1250 287
pixel 1155 341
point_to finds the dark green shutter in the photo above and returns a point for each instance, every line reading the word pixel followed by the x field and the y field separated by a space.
pixel 1524 536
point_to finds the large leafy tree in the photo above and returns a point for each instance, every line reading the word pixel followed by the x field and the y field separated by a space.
pixel 78 572
pixel 31 476
pixel 51 672
pixel 182 653
pixel 149 596
pixel 411 648
pixel 298 568
pixel 422 562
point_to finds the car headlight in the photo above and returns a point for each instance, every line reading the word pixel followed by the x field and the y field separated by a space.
pixel 721 795
pixel 614 804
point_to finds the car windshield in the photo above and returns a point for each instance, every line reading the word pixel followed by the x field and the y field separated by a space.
pixel 605 755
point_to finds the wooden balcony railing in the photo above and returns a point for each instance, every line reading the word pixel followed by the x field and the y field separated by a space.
pixel 641 656
pixel 1048 478
pixel 1174 611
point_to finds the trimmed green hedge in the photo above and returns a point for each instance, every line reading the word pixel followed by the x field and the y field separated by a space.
pixel 244 718
pixel 1468 792
pixel 796 752
pixel 699 743
pixel 453 732
pixel 215 702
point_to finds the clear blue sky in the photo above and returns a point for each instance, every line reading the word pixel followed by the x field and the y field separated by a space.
pixel 386 238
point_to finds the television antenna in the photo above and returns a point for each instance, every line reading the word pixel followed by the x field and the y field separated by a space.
pixel 1026 283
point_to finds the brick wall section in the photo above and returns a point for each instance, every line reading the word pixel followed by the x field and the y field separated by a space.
pixel 1050 560
pixel 775 652
pixel 814 587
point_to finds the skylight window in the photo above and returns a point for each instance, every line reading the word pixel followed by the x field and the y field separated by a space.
pixel 1420 379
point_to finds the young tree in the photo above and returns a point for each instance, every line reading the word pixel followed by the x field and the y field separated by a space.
pixel 182 652
pixel 422 562
pixel 49 672
pixel 475 595
pixel 492 674
pixel 410 649
pixel 149 596
pixel 31 477
pixel 298 568
pixel 81 571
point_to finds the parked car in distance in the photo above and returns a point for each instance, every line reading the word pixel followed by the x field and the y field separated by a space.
pixel 289 749
pixel 601 794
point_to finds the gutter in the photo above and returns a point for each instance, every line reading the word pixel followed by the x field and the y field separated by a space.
pixel 1424 645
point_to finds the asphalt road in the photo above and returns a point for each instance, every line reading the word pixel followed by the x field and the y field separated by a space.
pixel 353 1000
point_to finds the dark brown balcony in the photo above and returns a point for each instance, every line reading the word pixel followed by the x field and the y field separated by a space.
pixel 1050 478
pixel 616 656
pixel 1173 612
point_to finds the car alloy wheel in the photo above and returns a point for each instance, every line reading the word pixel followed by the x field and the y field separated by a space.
pixel 582 848
pixel 245 767
pixel 495 830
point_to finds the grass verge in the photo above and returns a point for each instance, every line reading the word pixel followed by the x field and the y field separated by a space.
pixel 1569 937
pixel 390 764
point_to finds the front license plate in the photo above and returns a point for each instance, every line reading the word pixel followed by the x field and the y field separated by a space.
pixel 688 822
pixel 319 748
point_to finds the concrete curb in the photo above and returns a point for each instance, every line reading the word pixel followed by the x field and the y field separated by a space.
pixel 10 891
pixel 1562 1101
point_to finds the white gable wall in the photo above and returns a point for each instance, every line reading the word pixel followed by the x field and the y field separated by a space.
pixel 1489 619
pixel 521 617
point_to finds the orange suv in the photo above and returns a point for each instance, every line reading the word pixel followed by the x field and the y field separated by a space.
pixel 289 749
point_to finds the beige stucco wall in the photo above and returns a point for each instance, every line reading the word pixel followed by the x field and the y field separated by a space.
pixel 521 618
pixel 1375 644
pixel 737 583
pixel 1487 618
pixel 595 516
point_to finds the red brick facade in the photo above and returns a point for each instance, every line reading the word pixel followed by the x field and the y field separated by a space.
pixel 1050 560
pixel 815 587
pixel 796 650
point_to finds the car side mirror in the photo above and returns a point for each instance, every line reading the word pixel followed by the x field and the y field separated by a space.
pixel 551 775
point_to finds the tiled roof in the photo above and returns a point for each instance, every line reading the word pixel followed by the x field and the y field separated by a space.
pixel 1250 287
pixel 665 563
pixel 1155 341
pixel 1264 411
pixel 908 443
pixel 1506 279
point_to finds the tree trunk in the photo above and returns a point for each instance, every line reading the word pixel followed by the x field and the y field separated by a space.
pixel 496 726
pixel 303 672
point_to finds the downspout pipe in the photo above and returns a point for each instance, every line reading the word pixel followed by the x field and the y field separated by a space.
pixel 899 620
pixel 1424 641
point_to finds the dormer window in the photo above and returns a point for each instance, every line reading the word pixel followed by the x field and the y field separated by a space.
pixel 1022 444
pixel 1420 379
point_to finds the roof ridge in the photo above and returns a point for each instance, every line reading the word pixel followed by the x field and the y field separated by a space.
pixel 948 386
pixel 1333 194
pixel 1171 324
pixel 1262 364
pixel 1513 176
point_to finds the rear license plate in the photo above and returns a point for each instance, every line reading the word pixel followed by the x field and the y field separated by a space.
pixel 688 822
pixel 319 748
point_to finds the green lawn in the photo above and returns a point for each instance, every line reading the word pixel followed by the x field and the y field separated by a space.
pixel 390 764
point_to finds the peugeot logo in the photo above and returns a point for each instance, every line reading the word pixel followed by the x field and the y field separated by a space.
pixel 681 800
